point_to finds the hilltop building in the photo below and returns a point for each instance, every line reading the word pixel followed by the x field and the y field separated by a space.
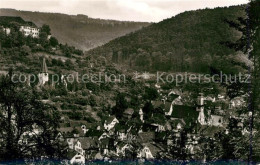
pixel 30 30
pixel 27 28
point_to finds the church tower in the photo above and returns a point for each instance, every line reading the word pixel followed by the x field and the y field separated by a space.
pixel 200 109
pixel 43 75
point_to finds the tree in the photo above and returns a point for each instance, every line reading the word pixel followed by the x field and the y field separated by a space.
pixel 53 42
pixel 46 28
pixel 121 105
pixel 28 127
pixel 150 93
pixel 249 43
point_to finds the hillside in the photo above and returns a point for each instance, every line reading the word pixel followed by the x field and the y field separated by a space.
pixel 78 30
pixel 189 41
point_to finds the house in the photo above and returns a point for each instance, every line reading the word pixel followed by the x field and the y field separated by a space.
pixel 121 148
pixel 110 123
pixel 121 134
pixel 78 147
pixel 177 124
pixel 168 108
pixel 90 145
pixel 78 159
pixel 71 142
pixel 103 136
pixel 149 151
pixel 216 117
pixel 104 146
pixel 128 113
pixel 236 102
pixel 72 132
pixel 30 31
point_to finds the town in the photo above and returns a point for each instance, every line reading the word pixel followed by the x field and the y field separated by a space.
pixel 120 111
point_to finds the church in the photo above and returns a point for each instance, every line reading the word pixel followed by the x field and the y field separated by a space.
pixel 43 75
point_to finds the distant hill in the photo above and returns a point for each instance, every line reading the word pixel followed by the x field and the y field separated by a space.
pixel 78 30
pixel 189 41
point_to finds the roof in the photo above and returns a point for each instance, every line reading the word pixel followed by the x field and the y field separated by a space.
pixel 175 122
pixel 187 113
pixel 87 142
pixel 167 106
pixel 153 148
pixel 65 129
pixel 210 131
pixel 157 104
pixel 44 66
pixel 121 144
pixel 122 127
pixel 129 111
pixel 145 137
pixel 110 119
pixel 68 130
pixel 98 156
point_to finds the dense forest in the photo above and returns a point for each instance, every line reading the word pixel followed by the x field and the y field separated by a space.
pixel 191 41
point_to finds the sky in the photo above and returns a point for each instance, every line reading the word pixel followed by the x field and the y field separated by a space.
pixel 127 10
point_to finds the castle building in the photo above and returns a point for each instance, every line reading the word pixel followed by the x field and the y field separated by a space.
pixel 43 75
pixel 32 31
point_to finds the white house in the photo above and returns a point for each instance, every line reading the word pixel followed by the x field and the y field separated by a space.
pixel 149 151
pixel 104 136
pixel 7 31
pixel 32 31
pixel 216 120
pixel 78 148
pixel 110 123
pixel 78 159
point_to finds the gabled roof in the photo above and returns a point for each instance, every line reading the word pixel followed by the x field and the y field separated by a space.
pixel 145 137
pixel 44 66
pixel 129 111
pixel 110 119
pixel 153 148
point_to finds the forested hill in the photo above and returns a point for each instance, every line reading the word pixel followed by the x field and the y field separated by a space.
pixel 189 41
pixel 78 30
